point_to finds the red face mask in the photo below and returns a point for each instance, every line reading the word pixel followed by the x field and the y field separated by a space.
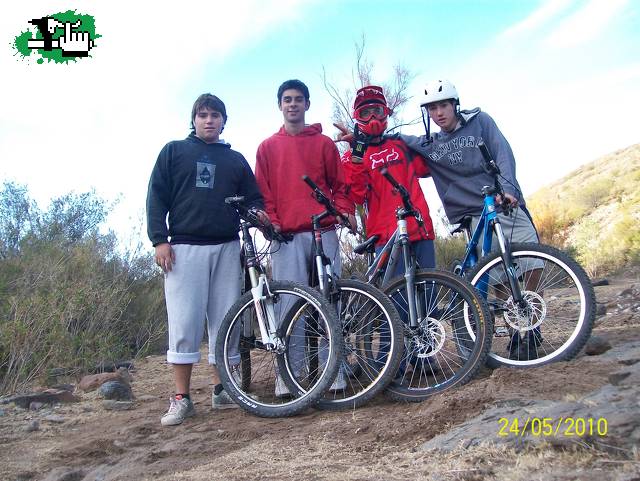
pixel 372 118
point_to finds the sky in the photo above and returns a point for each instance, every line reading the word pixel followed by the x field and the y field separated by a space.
pixel 561 79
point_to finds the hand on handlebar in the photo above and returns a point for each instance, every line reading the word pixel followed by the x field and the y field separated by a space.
pixel 507 201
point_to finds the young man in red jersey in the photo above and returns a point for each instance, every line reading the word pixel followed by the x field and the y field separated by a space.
pixel 369 187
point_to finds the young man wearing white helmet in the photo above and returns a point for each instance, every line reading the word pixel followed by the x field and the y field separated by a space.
pixel 457 167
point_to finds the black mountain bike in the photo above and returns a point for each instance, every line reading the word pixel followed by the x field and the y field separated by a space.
pixel 447 325
pixel 371 327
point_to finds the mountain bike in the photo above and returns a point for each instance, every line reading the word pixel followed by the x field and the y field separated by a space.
pixel 371 327
pixel 447 325
pixel 542 301
pixel 259 331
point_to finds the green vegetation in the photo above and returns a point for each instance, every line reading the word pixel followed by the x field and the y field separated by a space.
pixel 68 297
pixel 594 212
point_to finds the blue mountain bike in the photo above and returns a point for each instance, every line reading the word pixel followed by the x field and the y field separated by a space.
pixel 542 301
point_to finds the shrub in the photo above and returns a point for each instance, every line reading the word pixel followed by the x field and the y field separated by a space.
pixel 68 298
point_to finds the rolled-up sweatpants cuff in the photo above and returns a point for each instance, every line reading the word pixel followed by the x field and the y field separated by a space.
pixel 234 360
pixel 183 357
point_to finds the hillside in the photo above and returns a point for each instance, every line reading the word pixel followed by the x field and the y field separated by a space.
pixel 595 212
pixel 458 435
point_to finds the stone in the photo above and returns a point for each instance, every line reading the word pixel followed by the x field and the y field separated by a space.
pixel 49 396
pixel 600 282
pixel 601 309
pixel 116 390
pixel 609 421
pixel 94 381
pixel 54 418
pixel 32 426
pixel 596 345
pixel 111 405
pixel 146 397
pixel 1 412
pixel 65 474
pixel 35 405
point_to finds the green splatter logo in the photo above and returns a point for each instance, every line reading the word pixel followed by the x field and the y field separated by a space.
pixel 59 37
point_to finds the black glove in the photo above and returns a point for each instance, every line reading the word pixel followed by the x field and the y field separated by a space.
pixel 359 145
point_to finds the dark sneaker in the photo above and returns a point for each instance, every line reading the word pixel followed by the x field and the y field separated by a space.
pixel 179 410
pixel 513 348
pixel 534 341
pixel 281 391
pixel 222 401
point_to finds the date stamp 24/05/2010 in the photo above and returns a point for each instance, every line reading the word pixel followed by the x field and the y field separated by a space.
pixel 547 427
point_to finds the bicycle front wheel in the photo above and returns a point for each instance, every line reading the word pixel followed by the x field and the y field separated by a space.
pixel 372 350
pixel 556 318
pixel 452 337
pixel 267 390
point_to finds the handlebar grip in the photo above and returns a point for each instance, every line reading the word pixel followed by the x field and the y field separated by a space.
pixel 485 151
pixel 310 182
pixel 234 200
pixel 385 172
pixel 490 163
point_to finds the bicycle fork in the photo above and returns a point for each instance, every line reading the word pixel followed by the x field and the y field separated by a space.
pixel 263 302
pixel 510 270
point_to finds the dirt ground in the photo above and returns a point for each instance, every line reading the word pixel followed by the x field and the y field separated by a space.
pixel 379 441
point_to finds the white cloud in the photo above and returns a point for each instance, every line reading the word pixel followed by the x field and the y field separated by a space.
pixel 101 122
pixel 586 24
pixel 547 11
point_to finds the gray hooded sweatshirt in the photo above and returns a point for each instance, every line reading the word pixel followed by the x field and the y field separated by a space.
pixel 456 163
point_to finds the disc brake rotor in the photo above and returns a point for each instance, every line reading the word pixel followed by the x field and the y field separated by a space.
pixel 528 317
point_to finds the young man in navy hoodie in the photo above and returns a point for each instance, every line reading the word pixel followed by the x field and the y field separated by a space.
pixel 195 235
pixel 295 150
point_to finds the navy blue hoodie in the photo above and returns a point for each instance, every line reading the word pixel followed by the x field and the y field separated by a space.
pixel 190 181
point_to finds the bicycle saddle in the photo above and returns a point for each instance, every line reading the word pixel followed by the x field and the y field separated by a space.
pixel 367 246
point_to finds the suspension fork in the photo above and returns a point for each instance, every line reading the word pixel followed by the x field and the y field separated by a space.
pixel 262 296
pixel 409 272
pixel 507 259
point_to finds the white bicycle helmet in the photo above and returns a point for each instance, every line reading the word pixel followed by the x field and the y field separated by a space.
pixel 439 90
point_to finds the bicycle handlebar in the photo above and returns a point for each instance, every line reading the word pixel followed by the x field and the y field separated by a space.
pixel 404 193
pixel 326 202
pixel 250 215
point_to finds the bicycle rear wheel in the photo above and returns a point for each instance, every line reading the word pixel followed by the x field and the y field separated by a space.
pixel 272 367
pixel 452 339
pixel 560 306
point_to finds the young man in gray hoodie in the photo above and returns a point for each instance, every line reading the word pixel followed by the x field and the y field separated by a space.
pixel 457 168
pixel 457 165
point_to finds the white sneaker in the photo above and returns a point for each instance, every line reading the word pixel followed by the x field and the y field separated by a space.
pixel 339 383
pixel 282 390
pixel 179 410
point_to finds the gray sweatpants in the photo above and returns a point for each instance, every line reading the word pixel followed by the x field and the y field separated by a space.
pixel 291 262
pixel 203 284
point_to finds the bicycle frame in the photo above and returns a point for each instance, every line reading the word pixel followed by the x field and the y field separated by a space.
pixel 488 224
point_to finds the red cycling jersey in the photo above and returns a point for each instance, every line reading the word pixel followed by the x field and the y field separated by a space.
pixel 367 185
